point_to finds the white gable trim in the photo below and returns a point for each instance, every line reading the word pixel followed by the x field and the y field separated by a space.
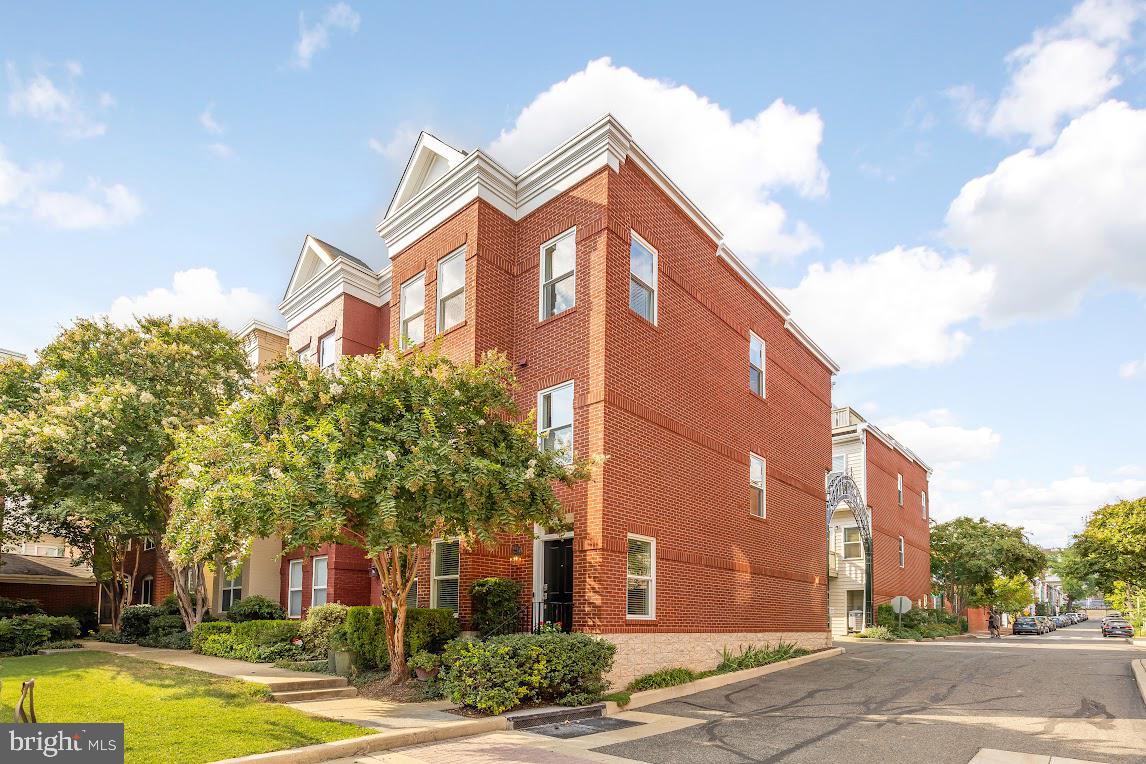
pixel 426 150
pixel 605 143
pixel 340 277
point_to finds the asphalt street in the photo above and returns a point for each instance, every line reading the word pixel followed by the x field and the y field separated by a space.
pixel 1068 694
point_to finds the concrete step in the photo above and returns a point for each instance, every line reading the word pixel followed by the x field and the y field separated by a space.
pixel 319 682
pixel 535 717
pixel 329 693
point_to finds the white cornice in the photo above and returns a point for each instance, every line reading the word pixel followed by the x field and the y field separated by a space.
pixel 340 277
pixel 11 354
pixel 261 326
pixel 605 143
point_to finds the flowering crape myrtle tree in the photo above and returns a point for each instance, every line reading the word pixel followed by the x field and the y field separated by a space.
pixel 88 448
pixel 383 452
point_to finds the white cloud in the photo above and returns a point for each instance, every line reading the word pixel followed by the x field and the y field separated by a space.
pixel 729 168
pixel 195 293
pixel 316 37
pixel 904 306
pixel 1052 223
pixel 1062 72
pixel 397 148
pixel 221 150
pixel 42 99
pixel 940 441
pixel 1132 369
pixel 1052 511
pixel 209 123
pixel 1129 470
pixel 101 207
pixel 29 192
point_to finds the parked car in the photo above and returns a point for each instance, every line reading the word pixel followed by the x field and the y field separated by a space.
pixel 1047 623
pixel 1061 621
pixel 1084 616
pixel 1026 624
pixel 1117 628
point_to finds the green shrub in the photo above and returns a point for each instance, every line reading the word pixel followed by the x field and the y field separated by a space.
pixel 60 627
pixel 113 637
pixel 906 633
pixel 63 644
pixel 669 677
pixel 320 623
pixel 500 673
pixel 885 616
pixel 496 604
pixel 135 622
pixel 23 635
pixel 263 633
pixel 170 604
pixel 168 640
pixel 876 632
pixel 87 617
pixel 622 698
pixel 255 608
pixel 219 644
pixel 11 606
pixel 754 657
pixel 318 667
pixel 164 625
pixel 427 629
pixel 202 631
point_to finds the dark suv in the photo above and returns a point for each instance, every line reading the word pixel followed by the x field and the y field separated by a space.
pixel 1026 625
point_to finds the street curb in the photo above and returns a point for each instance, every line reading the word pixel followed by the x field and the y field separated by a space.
pixel 383 741
pixel 648 697
pixel 1138 667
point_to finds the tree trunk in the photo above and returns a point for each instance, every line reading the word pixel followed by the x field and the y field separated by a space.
pixel 397 570
pixel 191 608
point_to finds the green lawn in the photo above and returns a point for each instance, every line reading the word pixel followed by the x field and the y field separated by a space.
pixel 170 715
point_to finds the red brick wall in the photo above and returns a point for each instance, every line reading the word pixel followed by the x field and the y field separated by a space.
pixel 890 521
pixel 358 327
pixel 348 578
pixel 55 599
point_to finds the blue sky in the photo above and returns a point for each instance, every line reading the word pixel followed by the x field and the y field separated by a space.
pixel 948 197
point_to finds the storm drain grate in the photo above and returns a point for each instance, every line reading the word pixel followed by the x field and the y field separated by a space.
pixel 582 727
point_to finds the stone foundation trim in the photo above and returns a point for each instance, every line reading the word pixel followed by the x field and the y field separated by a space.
pixel 640 653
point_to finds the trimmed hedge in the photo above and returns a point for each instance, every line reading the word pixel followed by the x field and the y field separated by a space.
pixel 320 623
pixel 204 630
pixel 428 629
pixel 501 673
pixel 496 604
pixel 135 622
pixel 25 634
pixel 11 606
pixel 262 633
pixel 255 608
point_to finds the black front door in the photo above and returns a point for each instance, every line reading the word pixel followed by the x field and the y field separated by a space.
pixel 558 583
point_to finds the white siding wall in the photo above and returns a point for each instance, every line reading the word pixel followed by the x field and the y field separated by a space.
pixel 851 573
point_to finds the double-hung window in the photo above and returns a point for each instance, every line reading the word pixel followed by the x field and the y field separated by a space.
pixel 853 546
pixel 923 504
pixel 318 578
pixel 148 545
pixel 641 578
pixel 412 312
pixel 303 354
pixel 839 462
pixel 452 290
pixel 445 568
pixel 326 354
pixel 899 487
pixel 294 589
pixel 901 551
pixel 559 274
pixel 146 587
pixel 758 477
pixel 756 364
pixel 643 278
pixel 232 588
pixel 555 420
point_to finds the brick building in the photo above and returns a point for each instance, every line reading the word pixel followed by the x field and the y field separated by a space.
pixel 893 485
pixel 636 334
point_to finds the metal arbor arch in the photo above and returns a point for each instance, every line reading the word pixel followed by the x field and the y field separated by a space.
pixel 842 489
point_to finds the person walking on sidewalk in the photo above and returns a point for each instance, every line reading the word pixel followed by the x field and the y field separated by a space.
pixel 993 625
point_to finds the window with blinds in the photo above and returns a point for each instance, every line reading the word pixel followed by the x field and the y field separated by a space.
pixel 412 595
pixel 445 567
pixel 640 581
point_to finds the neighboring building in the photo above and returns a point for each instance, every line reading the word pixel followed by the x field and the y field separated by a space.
pixel 1047 591
pixel 44 570
pixel 11 355
pixel 637 334
pixel 893 486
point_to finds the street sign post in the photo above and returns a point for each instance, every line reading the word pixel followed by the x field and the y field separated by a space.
pixel 900 605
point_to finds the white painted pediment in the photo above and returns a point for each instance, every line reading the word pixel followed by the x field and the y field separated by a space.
pixel 430 160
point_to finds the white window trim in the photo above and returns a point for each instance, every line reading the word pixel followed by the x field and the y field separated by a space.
pixel 902 552
pixel 459 252
pixel 148 544
pixel 323 362
pixel 404 317
pixel 291 589
pixel 652 578
pixel 147 584
pixel 303 354
pixel 899 486
pixel 923 499
pixel 763 485
pixel 763 360
pixel 656 265
pixel 572 419
pixel 434 577
pixel 325 589
pixel 845 542
pixel 224 579
pixel 541 273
